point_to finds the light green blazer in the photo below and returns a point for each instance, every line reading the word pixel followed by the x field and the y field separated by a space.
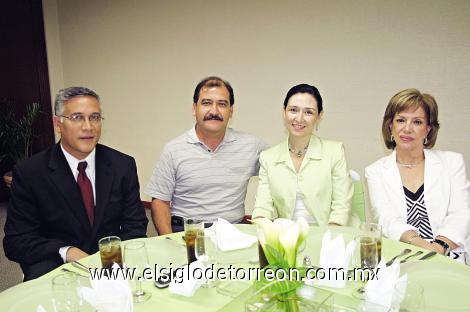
pixel 323 182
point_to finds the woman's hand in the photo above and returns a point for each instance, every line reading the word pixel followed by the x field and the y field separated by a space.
pixel 411 237
pixel 437 248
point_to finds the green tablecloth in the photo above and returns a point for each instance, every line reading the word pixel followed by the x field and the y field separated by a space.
pixel 27 296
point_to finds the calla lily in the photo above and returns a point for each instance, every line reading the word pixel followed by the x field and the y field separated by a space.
pixel 284 235
pixel 288 239
pixel 282 224
pixel 269 233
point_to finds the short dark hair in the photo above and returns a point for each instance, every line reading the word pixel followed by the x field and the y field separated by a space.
pixel 68 93
pixel 305 88
pixel 211 82
pixel 411 98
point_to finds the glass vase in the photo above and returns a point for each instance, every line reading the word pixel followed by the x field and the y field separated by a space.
pixel 305 298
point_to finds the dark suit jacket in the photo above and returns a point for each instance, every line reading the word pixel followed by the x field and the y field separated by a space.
pixel 46 210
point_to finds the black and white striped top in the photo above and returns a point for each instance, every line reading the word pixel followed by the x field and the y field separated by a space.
pixel 417 215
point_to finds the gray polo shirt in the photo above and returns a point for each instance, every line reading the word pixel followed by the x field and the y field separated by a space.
pixel 204 184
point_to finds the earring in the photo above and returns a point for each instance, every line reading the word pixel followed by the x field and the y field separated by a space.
pixel 316 127
pixel 425 140
pixel 392 139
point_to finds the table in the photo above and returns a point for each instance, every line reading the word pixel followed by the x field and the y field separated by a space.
pixel 162 251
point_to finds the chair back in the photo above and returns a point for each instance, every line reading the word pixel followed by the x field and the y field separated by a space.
pixel 358 202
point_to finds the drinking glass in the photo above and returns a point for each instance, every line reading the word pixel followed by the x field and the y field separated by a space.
pixel 65 295
pixel 373 230
pixel 365 257
pixel 206 252
pixel 191 228
pixel 110 251
pixel 136 258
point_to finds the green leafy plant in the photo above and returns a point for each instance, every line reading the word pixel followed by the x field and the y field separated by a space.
pixel 16 134
pixel 280 241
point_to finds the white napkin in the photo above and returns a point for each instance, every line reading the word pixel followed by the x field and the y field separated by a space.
pixel 389 288
pixel 185 284
pixel 109 295
pixel 229 237
pixel 335 255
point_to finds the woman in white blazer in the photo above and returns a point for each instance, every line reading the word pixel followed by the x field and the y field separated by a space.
pixel 420 196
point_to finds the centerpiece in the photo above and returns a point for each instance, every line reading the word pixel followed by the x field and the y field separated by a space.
pixel 281 280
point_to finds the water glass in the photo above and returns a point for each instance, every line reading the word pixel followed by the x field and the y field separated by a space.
pixel 136 259
pixel 206 252
pixel 65 293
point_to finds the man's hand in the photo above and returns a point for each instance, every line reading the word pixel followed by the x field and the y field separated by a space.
pixel 75 254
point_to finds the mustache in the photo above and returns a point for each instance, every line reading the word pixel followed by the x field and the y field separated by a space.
pixel 213 117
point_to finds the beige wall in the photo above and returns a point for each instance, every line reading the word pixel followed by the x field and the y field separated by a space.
pixel 145 57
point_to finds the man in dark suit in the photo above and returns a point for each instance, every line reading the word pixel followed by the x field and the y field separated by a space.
pixel 64 199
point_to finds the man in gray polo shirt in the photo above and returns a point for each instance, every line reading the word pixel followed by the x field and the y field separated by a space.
pixel 204 172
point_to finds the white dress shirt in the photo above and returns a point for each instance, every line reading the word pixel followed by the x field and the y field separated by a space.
pixel 89 171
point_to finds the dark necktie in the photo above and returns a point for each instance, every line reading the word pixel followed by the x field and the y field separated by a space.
pixel 87 190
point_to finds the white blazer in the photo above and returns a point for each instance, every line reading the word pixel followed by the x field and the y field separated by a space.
pixel 446 196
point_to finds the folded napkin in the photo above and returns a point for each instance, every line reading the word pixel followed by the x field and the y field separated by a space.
pixel 109 295
pixel 184 283
pixel 335 255
pixel 229 237
pixel 389 289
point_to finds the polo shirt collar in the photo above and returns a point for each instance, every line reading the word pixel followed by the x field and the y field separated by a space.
pixel 229 136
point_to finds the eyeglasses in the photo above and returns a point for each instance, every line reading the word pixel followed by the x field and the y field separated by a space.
pixel 80 118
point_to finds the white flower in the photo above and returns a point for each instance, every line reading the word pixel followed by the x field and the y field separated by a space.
pixel 284 235
pixel 288 239
pixel 269 233
pixel 303 227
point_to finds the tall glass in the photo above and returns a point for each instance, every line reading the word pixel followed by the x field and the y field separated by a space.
pixel 110 251
pixel 191 228
pixel 206 252
pixel 136 258
pixel 366 258
pixel 373 230
pixel 64 291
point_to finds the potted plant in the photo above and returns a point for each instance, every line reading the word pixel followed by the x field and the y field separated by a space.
pixel 16 134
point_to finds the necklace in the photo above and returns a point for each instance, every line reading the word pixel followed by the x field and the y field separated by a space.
pixel 298 153
pixel 409 166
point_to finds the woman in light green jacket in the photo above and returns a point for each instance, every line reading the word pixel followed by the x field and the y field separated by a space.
pixel 305 176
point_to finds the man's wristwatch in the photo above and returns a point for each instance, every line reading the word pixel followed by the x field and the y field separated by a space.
pixel 443 244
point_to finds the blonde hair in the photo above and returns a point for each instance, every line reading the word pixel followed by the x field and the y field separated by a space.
pixel 414 99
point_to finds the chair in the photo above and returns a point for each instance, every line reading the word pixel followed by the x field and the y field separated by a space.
pixel 358 202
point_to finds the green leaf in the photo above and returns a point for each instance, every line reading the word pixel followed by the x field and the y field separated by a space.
pixel 277 287
pixel 16 135
pixel 274 257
